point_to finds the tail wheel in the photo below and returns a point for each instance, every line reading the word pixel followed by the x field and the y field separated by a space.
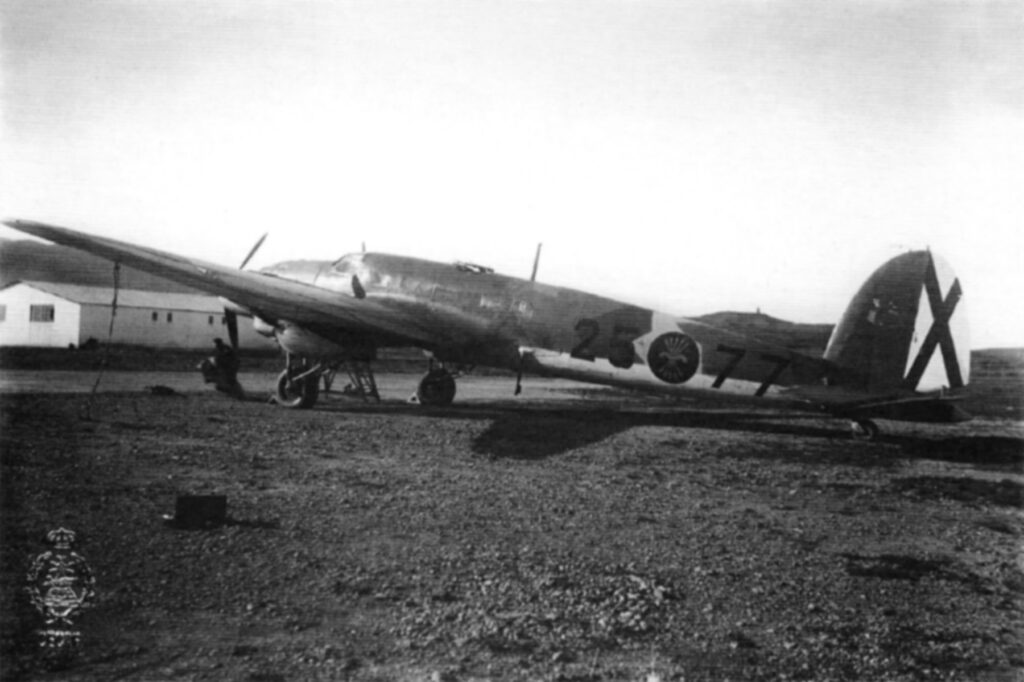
pixel 437 388
pixel 864 429
pixel 300 394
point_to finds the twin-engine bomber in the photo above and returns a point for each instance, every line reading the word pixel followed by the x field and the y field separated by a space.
pixel 900 351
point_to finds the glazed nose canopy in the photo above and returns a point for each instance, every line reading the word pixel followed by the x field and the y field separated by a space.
pixel 305 271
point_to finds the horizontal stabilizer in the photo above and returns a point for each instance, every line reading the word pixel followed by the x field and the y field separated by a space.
pixel 920 409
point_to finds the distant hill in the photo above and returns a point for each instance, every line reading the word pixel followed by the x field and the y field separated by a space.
pixel 31 260
pixel 810 339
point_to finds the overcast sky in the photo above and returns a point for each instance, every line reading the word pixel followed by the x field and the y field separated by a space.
pixel 690 156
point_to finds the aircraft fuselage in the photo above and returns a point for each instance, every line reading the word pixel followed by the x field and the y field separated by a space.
pixel 474 316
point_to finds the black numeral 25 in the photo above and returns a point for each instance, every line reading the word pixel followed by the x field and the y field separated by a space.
pixel 620 347
pixel 586 331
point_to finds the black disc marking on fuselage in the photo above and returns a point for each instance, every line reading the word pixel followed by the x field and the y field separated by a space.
pixel 674 357
pixel 939 335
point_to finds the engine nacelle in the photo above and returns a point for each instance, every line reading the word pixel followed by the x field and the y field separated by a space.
pixel 264 328
pixel 302 342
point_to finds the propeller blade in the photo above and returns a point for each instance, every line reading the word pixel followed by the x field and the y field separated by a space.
pixel 231 317
pixel 252 251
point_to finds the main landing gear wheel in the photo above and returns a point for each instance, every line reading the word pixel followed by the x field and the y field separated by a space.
pixel 297 393
pixel 864 429
pixel 436 389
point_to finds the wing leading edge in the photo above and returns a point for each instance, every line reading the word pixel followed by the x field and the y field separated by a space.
pixel 274 297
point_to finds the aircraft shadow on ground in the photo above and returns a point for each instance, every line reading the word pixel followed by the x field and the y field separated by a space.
pixel 542 434
pixel 539 431
pixel 548 433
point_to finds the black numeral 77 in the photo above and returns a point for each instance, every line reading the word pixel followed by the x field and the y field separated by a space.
pixel 779 365
pixel 737 355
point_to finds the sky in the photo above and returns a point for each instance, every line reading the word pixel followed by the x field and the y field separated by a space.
pixel 690 156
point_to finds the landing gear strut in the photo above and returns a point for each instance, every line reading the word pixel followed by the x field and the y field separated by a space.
pixel 437 388
pixel 298 386
pixel 864 429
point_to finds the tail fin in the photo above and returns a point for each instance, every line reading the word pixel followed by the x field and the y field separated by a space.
pixel 905 329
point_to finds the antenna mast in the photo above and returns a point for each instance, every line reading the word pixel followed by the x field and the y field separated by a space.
pixel 536 262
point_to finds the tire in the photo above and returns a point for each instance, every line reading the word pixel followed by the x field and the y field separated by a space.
pixel 437 389
pixel 864 429
pixel 301 395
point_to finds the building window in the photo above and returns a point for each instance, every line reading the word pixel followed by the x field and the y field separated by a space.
pixel 3 313
pixel 155 316
pixel 40 313
pixel 223 320
pixel 210 320
pixel 170 317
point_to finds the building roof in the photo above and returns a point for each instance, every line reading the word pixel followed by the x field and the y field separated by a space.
pixel 128 298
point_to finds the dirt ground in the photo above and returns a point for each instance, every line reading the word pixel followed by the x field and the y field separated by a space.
pixel 588 537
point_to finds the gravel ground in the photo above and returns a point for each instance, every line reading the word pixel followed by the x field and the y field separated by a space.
pixel 568 539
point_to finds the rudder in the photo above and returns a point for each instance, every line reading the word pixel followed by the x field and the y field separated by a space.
pixel 906 328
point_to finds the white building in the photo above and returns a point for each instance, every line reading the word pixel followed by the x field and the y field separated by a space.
pixel 51 314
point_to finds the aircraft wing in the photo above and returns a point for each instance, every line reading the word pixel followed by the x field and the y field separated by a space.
pixel 273 297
